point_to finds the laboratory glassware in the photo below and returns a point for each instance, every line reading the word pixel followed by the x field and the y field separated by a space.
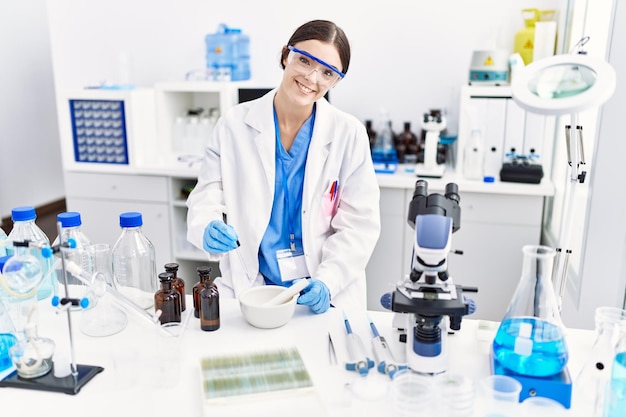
pixel 530 340
pixel 204 274
pixel 407 143
pixel 71 229
pixel 209 306
pixel 22 272
pixel 595 374
pixel 371 133
pixel 3 237
pixel 25 229
pixel 177 282
pixel 167 299
pixel 134 262
pixel 7 334
pixel 615 402
pixel 32 355
pixel 101 317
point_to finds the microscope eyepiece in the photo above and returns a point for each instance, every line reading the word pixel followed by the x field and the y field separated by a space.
pixel 421 188
pixel 452 192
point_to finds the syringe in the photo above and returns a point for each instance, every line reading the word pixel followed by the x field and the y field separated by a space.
pixel 358 361
pixel 386 364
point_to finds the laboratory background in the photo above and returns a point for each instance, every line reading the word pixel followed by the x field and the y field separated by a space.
pixel 408 58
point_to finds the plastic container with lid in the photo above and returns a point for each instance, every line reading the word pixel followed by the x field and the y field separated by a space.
pixel 228 54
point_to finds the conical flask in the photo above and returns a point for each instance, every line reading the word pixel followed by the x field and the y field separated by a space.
pixel 592 381
pixel 530 340
pixel 103 317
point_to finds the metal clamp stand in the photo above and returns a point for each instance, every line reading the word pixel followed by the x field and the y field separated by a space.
pixel 80 374
pixel 576 159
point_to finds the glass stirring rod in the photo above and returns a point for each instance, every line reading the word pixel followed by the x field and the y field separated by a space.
pixel 243 264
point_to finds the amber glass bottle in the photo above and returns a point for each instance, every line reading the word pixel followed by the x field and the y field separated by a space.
pixel 167 299
pixel 371 133
pixel 204 273
pixel 209 306
pixel 177 282
pixel 406 143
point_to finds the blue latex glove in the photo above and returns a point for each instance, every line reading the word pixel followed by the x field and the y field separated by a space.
pixel 316 295
pixel 219 237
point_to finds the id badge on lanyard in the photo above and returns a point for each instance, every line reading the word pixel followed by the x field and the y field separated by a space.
pixel 292 265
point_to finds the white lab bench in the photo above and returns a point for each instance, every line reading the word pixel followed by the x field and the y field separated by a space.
pixel 133 384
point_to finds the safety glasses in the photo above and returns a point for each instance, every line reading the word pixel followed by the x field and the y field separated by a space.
pixel 305 64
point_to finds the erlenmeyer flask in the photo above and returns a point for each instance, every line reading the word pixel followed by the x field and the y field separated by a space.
pixel 102 318
pixel 592 381
pixel 530 339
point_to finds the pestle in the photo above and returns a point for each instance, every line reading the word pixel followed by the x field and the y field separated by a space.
pixel 287 293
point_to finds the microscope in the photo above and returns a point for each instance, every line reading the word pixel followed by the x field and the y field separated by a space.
pixel 427 298
pixel 433 123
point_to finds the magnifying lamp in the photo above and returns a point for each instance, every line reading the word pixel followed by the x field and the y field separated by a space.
pixel 560 85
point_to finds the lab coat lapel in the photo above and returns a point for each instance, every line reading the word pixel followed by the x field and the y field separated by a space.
pixel 260 118
pixel 323 133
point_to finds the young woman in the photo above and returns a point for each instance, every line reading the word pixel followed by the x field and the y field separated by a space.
pixel 288 182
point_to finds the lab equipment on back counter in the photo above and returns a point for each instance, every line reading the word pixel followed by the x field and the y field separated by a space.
pixel 530 342
pixel 513 145
pixel 384 155
pixel 227 54
pixel 489 67
pixel 427 297
pixel 433 123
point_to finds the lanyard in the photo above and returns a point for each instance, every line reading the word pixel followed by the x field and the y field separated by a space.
pixel 292 236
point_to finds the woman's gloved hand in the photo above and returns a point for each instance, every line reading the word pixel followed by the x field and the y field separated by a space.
pixel 219 237
pixel 316 295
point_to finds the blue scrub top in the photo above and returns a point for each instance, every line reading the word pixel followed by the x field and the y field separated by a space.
pixel 289 176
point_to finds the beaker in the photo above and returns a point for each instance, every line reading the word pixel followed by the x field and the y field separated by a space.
pixel 530 339
pixel 595 374
pixel 103 318
pixel 615 397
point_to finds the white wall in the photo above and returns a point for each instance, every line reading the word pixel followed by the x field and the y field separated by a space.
pixel 408 55
pixel 30 156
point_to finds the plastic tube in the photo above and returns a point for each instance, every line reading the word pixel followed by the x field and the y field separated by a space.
pixel 120 298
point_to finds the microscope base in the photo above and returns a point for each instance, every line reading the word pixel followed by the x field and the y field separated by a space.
pixel 557 387
pixel 436 171
pixel 48 382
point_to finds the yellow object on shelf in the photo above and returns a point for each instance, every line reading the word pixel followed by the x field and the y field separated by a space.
pixel 525 37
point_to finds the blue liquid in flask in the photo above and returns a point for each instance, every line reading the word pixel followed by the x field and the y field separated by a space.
pixel 6 341
pixel 616 401
pixel 530 346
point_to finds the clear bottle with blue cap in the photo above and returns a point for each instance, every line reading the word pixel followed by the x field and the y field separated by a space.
pixel 25 228
pixel 71 228
pixel 134 262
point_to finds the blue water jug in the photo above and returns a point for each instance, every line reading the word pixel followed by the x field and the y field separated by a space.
pixel 228 54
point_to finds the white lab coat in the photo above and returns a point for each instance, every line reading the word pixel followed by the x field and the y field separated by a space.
pixel 237 178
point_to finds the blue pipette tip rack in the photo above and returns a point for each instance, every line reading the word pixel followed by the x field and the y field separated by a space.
pixel 556 387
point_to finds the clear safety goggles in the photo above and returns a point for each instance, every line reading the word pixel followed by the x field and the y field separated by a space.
pixel 305 64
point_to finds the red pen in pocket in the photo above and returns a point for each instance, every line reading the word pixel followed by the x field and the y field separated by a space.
pixel 333 191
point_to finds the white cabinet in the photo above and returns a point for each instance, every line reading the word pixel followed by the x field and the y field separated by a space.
pixel 494 228
pixel 101 198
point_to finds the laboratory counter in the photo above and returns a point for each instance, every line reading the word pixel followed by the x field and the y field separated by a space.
pixel 139 379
